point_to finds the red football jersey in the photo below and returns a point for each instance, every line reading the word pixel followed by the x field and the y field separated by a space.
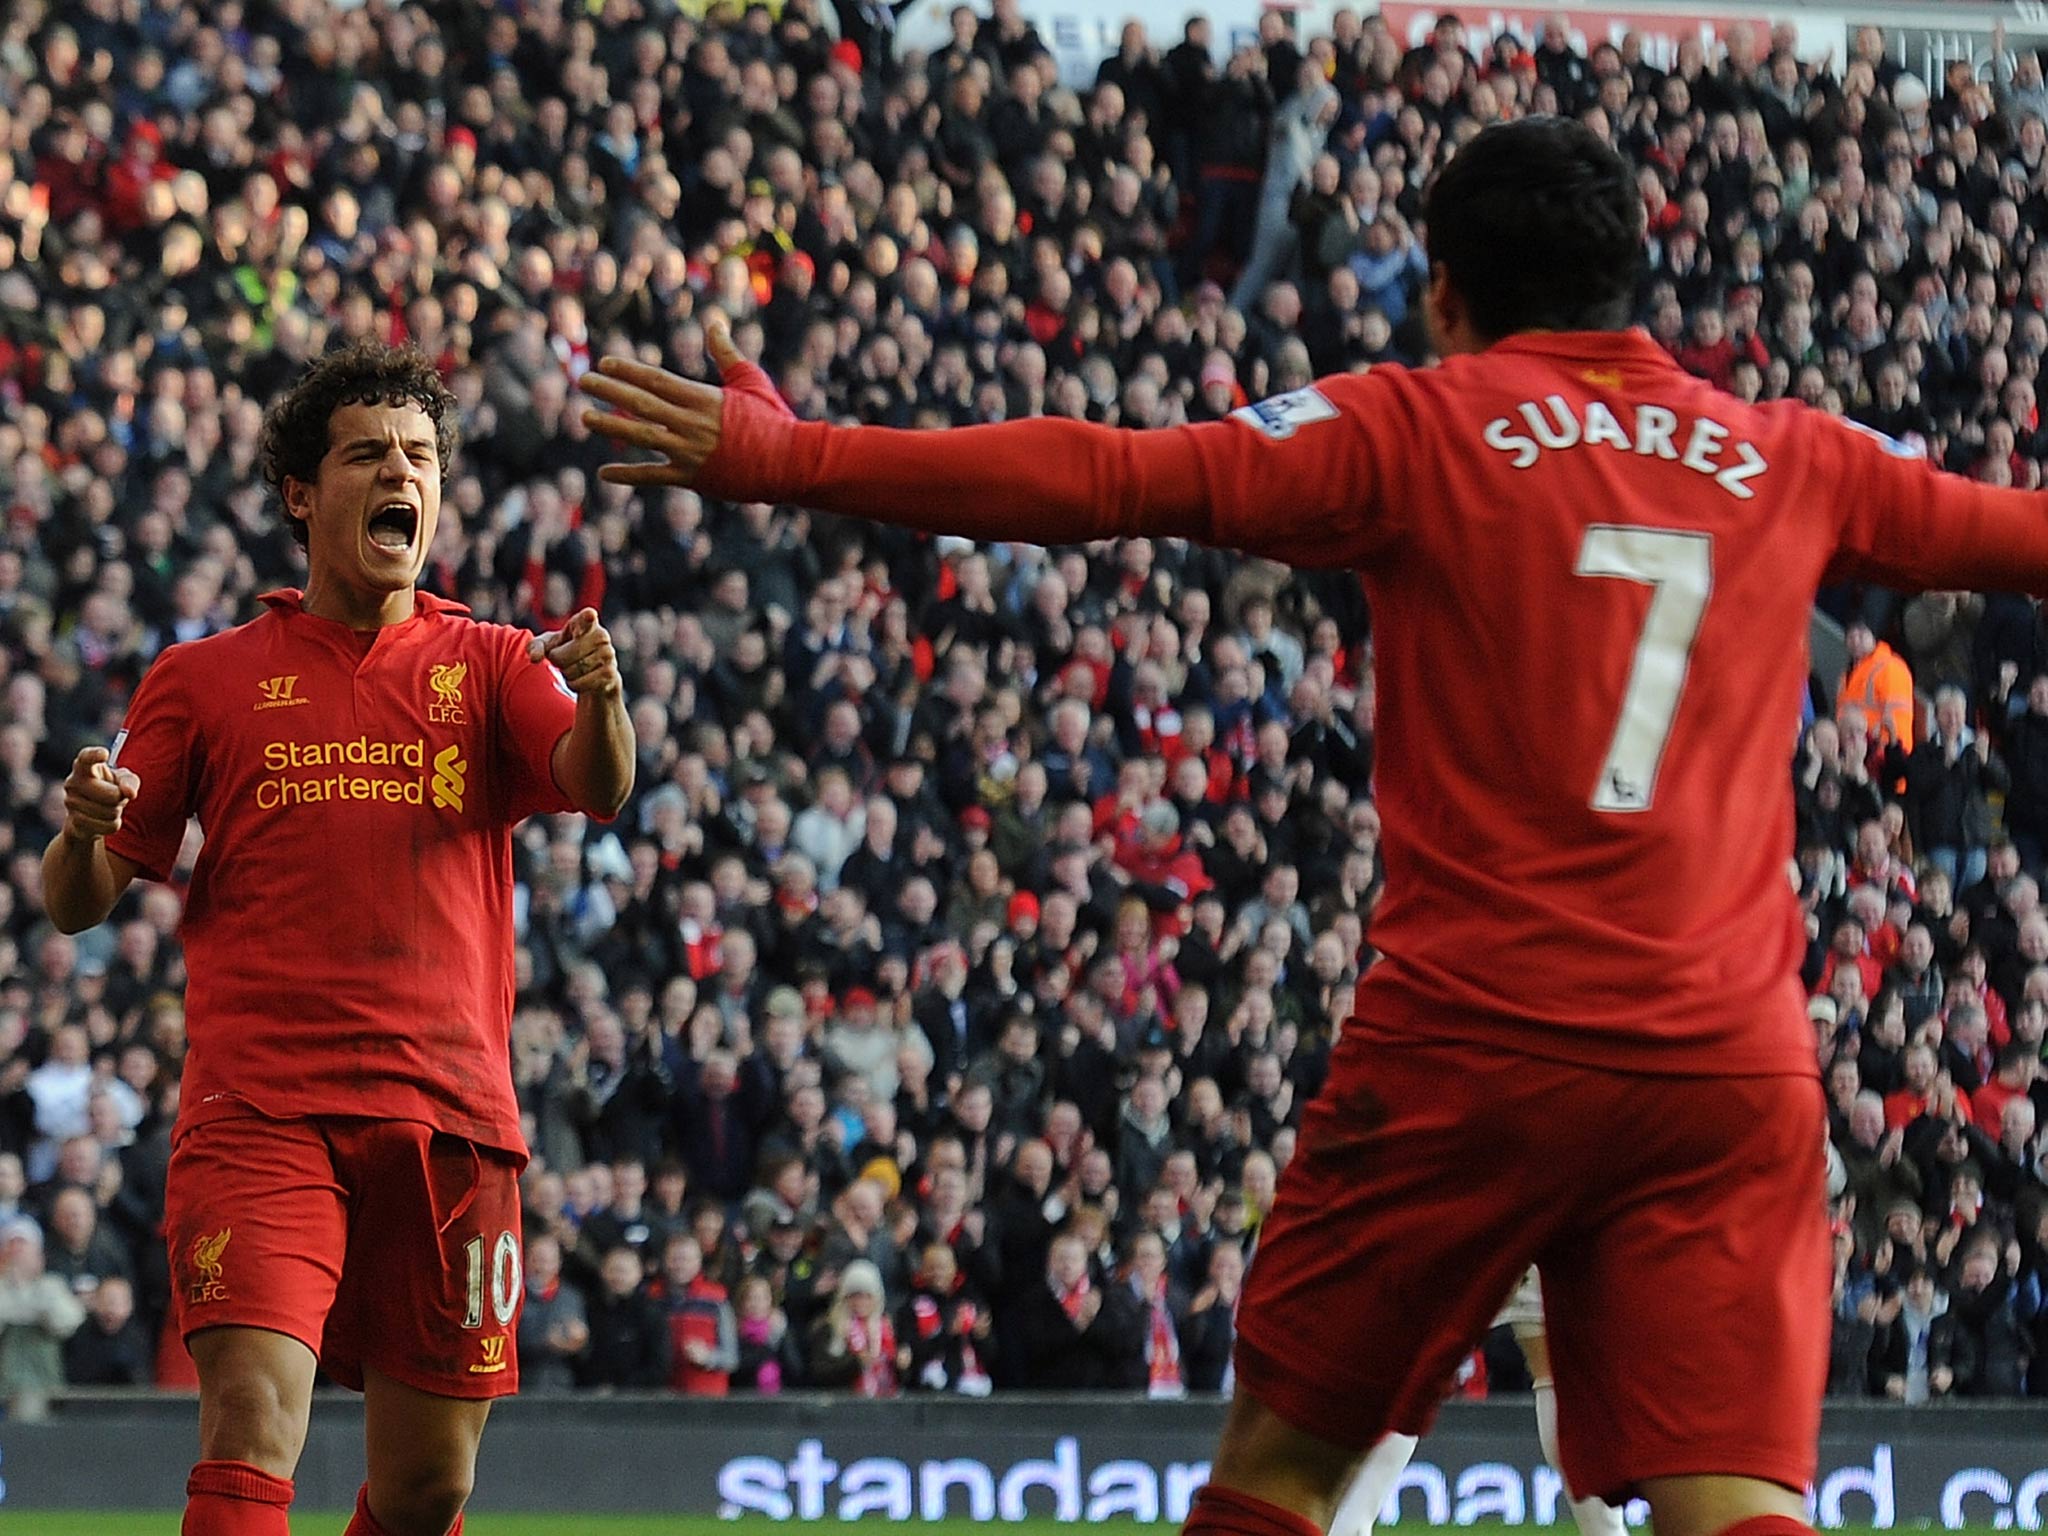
pixel 348 933
pixel 1591 578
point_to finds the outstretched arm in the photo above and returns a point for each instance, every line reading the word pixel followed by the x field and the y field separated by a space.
pixel 1905 526
pixel 1301 488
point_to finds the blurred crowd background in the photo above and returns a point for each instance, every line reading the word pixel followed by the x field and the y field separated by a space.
pixel 938 1015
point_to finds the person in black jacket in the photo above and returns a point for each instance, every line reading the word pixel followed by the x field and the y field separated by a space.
pixel 2026 756
pixel 619 1093
pixel 629 1342
pixel 1948 778
pixel 110 1350
pixel 946 1327
pixel 720 1113
pixel 1078 1334
pixel 1988 1344
pixel 1912 1351
pixel 1209 1331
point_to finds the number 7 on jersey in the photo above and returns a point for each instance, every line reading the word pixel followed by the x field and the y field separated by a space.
pixel 1679 570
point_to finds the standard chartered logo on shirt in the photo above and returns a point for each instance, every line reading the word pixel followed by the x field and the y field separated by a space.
pixel 361 768
pixel 451 778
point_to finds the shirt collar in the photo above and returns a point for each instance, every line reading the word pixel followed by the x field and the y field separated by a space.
pixel 292 600
pixel 1634 345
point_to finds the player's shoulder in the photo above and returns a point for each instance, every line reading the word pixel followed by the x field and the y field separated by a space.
pixel 451 626
pixel 217 656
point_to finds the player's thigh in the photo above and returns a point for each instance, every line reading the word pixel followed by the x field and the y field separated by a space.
pixel 1417 1196
pixel 256 1224
pixel 434 1282
pixel 1688 1323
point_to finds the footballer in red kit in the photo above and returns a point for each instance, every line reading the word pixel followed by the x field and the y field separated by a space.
pixel 343 1186
pixel 1584 1046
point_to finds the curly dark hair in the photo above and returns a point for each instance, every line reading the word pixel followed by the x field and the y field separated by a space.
pixel 295 428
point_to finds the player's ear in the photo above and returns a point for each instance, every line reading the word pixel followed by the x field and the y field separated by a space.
pixel 298 498
pixel 1450 323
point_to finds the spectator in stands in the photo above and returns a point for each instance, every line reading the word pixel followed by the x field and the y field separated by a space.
pixel 770 1360
pixel 1949 779
pixel 1878 1174
pixel 1208 1332
pixel 703 1336
pixel 110 1349
pixel 854 1347
pixel 2026 806
pixel 79 1249
pixel 38 1313
pixel 946 1327
pixel 629 1333
pixel 61 1088
pixel 1878 689
pixel 553 1331
pixel 1074 1331
pixel 1913 1350
pixel 1163 1311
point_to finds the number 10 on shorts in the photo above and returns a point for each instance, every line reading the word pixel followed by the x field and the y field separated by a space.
pixel 506 1280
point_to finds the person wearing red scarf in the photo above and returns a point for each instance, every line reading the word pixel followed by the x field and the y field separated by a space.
pixel 940 1326
pixel 1165 1306
pixel 853 1346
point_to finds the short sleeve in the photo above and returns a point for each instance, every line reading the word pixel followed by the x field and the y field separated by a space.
pixel 158 743
pixel 535 711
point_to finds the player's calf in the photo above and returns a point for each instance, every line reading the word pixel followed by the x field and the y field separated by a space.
pixel 423 1510
pixel 1268 1479
pixel 422 1459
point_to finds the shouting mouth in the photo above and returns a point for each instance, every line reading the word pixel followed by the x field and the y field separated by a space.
pixel 394 525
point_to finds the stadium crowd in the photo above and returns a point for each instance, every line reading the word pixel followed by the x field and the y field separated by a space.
pixel 938 1014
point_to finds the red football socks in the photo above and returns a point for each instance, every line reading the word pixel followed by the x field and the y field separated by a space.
pixel 232 1498
pixel 1769 1525
pixel 363 1523
pixel 1218 1511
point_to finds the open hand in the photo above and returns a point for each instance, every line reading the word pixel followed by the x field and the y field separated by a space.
pixel 678 418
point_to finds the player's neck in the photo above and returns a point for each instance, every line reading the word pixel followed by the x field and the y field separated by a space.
pixel 360 610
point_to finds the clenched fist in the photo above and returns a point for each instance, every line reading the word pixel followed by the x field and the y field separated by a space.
pixel 95 795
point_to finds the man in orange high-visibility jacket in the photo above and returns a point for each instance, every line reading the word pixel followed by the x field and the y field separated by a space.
pixel 1879 687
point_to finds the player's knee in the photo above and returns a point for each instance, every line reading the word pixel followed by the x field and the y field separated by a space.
pixel 422 1500
pixel 252 1419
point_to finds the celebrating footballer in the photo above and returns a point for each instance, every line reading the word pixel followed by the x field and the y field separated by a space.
pixel 343 1187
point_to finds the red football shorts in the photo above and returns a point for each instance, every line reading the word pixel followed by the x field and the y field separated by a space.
pixel 1679 1224
pixel 377 1243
